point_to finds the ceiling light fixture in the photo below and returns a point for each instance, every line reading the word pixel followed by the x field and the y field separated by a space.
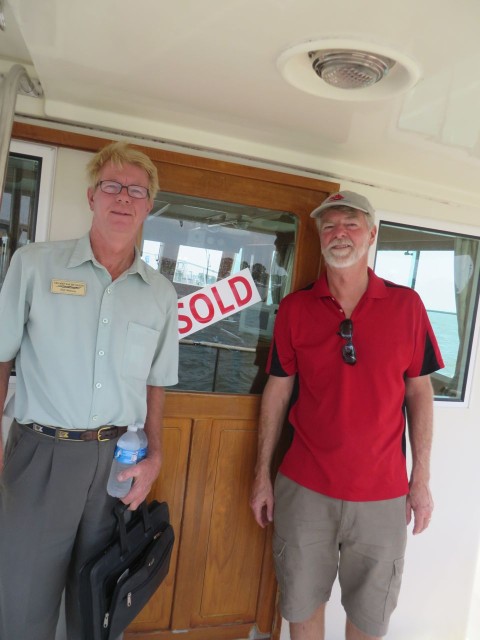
pixel 350 69
pixel 343 69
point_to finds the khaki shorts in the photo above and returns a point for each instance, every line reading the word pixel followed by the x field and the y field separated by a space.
pixel 316 537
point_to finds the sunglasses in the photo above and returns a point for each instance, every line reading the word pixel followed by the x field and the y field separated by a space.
pixel 348 350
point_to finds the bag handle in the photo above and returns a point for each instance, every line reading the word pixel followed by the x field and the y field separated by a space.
pixel 142 511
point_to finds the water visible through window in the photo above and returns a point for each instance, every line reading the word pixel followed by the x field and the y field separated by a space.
pixel 444 269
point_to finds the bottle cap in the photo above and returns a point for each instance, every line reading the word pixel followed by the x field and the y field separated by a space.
pixel 132 427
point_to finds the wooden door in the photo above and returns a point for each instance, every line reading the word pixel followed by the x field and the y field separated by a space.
pixel 224 554
pixel 221 582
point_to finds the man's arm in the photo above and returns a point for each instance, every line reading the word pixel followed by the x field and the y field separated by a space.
pixel 274 406
pixel 146 472
pixel 5 369
pixel 419 403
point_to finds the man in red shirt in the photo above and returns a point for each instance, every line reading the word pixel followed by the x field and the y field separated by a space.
pixel 350 359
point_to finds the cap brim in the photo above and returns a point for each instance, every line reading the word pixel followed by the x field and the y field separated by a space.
pixel 316 212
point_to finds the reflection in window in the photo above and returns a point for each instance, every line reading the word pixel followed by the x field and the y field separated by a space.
pixel 196 242
pixel 444 269
pixel 152 253
pixel 18 213
pixel 197 266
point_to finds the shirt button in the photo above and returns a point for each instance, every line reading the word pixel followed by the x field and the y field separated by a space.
pixel 99 385
pixel 105 320
pixel 109 290
pixel 101 353
pixel 94 418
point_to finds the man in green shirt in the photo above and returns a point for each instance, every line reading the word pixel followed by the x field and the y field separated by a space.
pixel 93 332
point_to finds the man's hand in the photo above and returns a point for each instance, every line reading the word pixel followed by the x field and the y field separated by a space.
pixel 420 502
pixel 144 475
pixel 261 500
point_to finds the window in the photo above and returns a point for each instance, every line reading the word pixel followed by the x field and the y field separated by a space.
pixel 444 269
pixel 26 200
pixel 196 242
pixel 25 207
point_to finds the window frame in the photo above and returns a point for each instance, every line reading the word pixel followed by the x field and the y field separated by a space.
pixel 48 155
pixel 440 226
pixel 47 176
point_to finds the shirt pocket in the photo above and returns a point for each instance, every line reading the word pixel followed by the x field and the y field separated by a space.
pixel 140 346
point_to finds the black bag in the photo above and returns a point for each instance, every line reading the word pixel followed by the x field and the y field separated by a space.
pixel 117 584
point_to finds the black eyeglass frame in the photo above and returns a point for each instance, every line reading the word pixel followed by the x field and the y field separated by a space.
pixel 121 186
pixel 349 354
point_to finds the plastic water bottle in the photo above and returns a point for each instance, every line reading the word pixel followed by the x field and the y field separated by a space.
pixel 126 455
pixel 142 436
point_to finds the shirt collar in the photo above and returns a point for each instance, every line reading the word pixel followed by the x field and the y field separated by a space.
pixel 376 286
pixel 82 252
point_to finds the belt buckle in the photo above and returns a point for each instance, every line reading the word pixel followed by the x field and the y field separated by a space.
pixel 99 438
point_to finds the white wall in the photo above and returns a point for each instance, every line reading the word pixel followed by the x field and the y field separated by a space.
pixel 440 599
pixel 71 215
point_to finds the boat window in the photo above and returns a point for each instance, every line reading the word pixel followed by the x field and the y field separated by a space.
pixel 18 213
pixel 444 269
pixel 26 200
pixel 195 242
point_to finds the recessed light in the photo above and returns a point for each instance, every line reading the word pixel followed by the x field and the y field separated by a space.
pixel 348 69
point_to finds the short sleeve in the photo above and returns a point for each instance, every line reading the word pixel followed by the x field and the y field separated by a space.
pixel 426 355
pixel 14 308
pixel 282 360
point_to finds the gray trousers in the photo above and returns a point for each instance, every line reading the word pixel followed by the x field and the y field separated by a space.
pixel 55 514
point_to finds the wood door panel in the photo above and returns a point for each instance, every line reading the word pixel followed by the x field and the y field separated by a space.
pixel 169 486
pixel 234 548
pixel 223 546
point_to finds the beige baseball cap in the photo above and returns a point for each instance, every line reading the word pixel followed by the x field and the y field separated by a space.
pixel 345 199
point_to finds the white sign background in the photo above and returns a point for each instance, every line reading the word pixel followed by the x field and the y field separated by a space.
pixel 215 302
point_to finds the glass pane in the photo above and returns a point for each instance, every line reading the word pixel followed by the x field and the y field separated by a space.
pixel 18 213
pixel 444 269
pixel 196 242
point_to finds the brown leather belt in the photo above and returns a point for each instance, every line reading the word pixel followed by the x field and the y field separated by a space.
pixel 102 434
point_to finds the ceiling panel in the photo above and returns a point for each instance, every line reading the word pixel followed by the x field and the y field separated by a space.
pixel 207 74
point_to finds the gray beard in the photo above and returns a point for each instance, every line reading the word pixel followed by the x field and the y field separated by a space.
pixel 342 262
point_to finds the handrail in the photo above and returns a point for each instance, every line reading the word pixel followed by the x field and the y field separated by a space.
pixel 16 80
pixel 216 345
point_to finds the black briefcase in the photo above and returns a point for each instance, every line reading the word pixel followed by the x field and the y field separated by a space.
pixel 117 584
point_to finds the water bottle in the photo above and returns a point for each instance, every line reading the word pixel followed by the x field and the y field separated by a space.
pixel 142 436
pixel 126 455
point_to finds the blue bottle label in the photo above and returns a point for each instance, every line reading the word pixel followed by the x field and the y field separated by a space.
pixel 126 456
pixel 142 453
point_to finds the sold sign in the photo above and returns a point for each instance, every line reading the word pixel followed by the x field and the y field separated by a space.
pixel 215 302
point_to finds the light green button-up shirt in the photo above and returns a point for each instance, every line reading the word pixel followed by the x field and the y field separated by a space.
pixel 85 347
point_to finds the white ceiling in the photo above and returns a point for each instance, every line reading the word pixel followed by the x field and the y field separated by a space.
pixel 205 74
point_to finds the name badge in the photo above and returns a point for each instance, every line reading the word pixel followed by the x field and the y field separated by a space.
pixel 68 287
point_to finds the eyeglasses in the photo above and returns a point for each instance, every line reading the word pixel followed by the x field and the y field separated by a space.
pixel 114 188
pixel 348 350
